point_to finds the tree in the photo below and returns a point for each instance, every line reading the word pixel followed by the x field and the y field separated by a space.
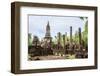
pixel 76 37
pixel 85 32
pixel 29 39
pixel 35 40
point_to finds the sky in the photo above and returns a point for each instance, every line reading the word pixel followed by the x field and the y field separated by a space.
pixel 37 25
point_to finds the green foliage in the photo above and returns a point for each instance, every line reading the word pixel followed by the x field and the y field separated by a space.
pixel 35 39
pixel 68 56
pixel 85 34
pixel 82 18
pixel 54 40
pixel 61 38
pixel 76 37
pixel 29 39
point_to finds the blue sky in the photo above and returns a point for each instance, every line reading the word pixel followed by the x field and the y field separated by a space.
pixel 37 24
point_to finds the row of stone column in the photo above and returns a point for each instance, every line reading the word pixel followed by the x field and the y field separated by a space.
pixel 71 39
pixel 79 31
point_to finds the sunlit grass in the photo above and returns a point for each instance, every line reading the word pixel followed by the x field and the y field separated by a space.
pixel 68 56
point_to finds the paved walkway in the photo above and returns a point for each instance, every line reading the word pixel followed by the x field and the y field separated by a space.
pixel 50 57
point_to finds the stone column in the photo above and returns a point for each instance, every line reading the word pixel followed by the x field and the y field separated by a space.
pixel 65 38
pixel 80 42
pixel 64 42
pixel 80 36
pixel 59 39
pixel 71 34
